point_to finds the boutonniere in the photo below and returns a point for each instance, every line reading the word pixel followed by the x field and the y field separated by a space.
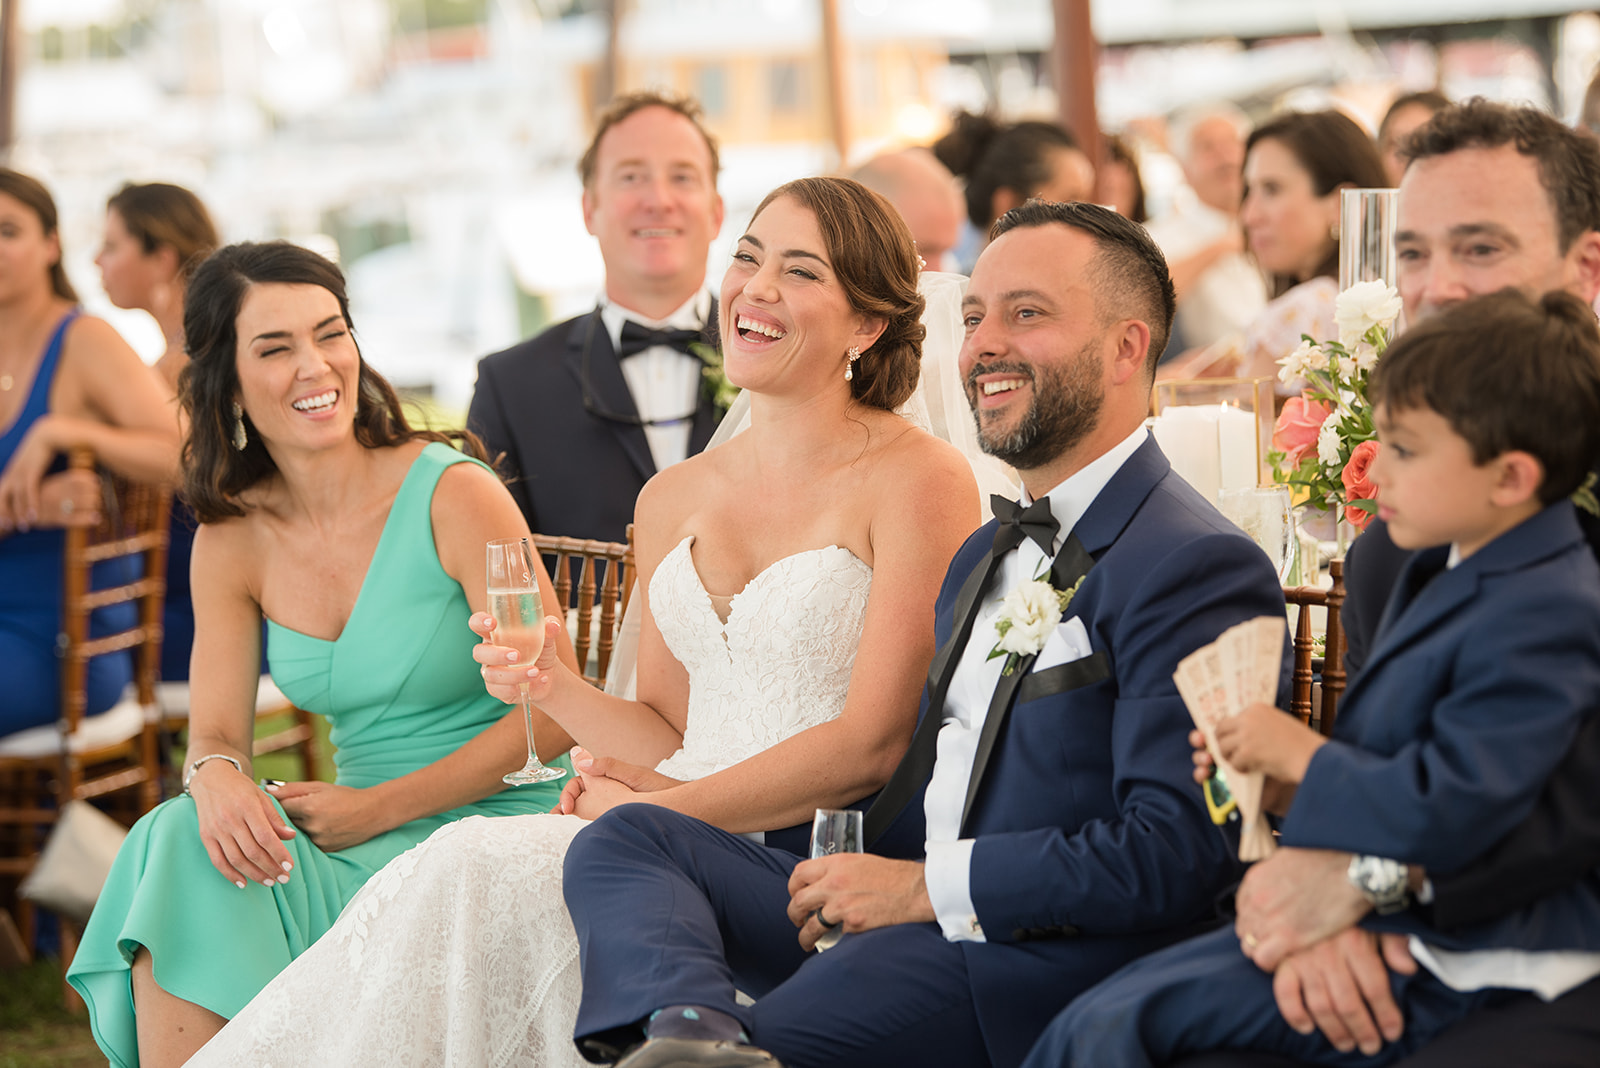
pixel 714 384
pixel 1584 496
pixel 1028 615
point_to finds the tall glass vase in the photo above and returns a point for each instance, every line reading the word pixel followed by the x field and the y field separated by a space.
pixel 1366 236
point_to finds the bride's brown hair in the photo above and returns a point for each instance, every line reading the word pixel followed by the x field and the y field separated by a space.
pixel 875 260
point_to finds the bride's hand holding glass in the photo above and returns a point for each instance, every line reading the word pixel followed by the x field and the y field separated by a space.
pixel 504 673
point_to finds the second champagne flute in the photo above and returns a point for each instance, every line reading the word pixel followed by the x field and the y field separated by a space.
pixel 518 612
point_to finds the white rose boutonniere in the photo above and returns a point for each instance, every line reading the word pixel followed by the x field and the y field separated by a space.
pixel 1028 615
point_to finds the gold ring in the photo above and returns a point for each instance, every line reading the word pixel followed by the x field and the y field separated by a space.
pixel 1250 942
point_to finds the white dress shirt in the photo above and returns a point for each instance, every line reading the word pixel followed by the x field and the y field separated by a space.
pixel 966 706
pixel 665 383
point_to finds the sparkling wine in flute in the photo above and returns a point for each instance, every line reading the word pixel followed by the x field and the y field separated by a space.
pixel 518 621
pixel 518 612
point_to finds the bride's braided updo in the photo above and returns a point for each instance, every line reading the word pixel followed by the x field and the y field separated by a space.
pixel 875 260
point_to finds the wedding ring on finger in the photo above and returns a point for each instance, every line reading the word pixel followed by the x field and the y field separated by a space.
pixel 826 926
pixel 1250 943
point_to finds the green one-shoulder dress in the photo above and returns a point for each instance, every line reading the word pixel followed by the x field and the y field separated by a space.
pixel 400 690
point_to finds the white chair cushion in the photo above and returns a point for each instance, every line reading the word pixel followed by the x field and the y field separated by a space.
pixel 173 698
pixel 122 721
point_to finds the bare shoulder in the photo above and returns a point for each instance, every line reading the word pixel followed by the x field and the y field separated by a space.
pixel 906 459
pixel 231 551
pixel 673 495
pixel 92 337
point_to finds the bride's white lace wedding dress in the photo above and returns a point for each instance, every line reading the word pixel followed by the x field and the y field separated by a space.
pixel 460 951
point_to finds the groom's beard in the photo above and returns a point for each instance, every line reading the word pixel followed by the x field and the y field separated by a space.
pixel 1066 403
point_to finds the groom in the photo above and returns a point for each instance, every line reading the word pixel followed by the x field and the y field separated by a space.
pixel 1044 828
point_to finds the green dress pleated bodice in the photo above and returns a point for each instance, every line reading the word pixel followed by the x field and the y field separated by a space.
pixel 400 690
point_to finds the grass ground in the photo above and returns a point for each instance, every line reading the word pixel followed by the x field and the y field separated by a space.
pixel 36 1030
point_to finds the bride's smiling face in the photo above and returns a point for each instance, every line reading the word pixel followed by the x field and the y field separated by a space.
pixel 786 322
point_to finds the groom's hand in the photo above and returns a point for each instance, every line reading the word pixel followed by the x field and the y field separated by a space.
pixel 858 892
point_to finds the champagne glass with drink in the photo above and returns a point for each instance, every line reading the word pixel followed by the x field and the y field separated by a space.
pixel 518 612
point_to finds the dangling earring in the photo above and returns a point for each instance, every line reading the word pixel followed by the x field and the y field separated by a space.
pixel 852 355
pixel 239 440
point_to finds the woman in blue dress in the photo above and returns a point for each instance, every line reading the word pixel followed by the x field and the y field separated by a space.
pixel 66 380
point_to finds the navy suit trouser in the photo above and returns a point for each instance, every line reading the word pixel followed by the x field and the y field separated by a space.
pixel 1205 994
pixel 672 911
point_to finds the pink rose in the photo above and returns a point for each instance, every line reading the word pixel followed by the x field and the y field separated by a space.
pixel 1295 433
pixel 1357 486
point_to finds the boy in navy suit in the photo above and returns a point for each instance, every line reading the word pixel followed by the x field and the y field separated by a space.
pixel 1486 663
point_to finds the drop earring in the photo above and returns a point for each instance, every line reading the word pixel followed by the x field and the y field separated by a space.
pixel 851 355
pixel 239 439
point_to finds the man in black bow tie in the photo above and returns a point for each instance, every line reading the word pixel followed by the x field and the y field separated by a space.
pixel 591 408
pixel 1044 827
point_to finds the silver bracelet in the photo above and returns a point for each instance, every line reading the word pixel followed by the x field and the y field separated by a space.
pixel 194 766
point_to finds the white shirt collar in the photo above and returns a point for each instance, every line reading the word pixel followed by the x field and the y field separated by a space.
pixel 692 314
pixel 1072 498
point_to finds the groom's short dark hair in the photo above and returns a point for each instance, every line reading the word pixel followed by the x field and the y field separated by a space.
pixel 1130 273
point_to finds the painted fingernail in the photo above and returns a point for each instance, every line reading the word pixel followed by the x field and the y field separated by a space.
pixel 239 883
pixel 282 879
pixel 533 673
pixel 288 866
pixel 267 883
pixel 511 657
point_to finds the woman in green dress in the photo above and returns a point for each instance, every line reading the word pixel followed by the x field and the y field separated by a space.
pixel 361 542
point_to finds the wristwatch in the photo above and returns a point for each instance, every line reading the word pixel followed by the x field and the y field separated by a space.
pixel 1383 882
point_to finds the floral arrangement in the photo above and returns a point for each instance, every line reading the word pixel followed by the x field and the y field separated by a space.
pixel 1028 616
pixel 714 384
pixel 1323 443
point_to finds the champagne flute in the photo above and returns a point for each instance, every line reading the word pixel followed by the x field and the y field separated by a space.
pixel 834 830
pixel 518 612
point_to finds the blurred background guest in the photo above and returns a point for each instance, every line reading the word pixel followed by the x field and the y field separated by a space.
pixel 1004 165
pixel 1121 187
pixel 1295 165
pixel 925 194
pixel 66 380
pixel 155 235
pixel 1408 111
pixel 1220 290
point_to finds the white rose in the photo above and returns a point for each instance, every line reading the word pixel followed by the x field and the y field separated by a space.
pixel 1294 364
pixel 1362 307
pixel 1034 609
pixel 1328 441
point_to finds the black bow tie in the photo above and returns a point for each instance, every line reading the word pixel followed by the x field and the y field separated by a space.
pixel 1017 522
pixel 636 337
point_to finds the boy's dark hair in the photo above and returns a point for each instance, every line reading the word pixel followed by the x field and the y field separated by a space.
pixel 1130 273
pixel 625 105
pixel 1569 161
pixel 1508 374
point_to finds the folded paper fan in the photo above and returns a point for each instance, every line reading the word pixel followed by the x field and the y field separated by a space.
pixel 1237 670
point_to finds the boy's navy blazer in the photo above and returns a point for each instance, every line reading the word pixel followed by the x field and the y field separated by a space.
pixel 573 474
pixel 1478 681
pixel 1093 844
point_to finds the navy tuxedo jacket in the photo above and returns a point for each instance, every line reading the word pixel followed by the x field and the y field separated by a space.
pixel 1479 680
pixel 1093 844
pixel 573 474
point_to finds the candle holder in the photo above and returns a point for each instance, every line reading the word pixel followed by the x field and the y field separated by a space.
pixel 1366 236
pixel 1206 445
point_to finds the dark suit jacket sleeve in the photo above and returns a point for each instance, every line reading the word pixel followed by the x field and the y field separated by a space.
pixel 1371 568
pixel 1506 705
pixel 1158 861
pixel 1548 852
pixel 486 417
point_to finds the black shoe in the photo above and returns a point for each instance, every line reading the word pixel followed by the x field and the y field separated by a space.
pixel 695 1053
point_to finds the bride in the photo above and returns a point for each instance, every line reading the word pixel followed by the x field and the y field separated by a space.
pixel 787 577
